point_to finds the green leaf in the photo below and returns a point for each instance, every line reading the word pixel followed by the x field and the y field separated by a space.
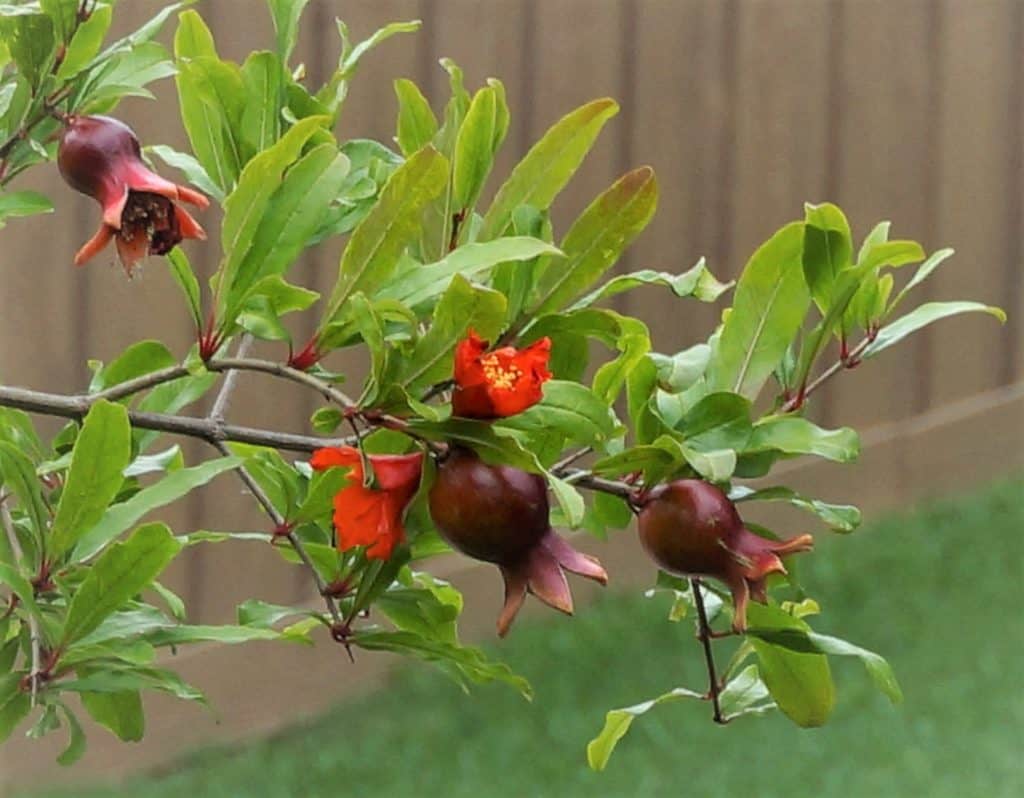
pixel 828 250
pixel 922 316
pixel 570 500
pixel 286 14
pixel 417 124
pixel 263 76
pixel 140 358
pixel 462 306
pixel 76 741
pixel 697 282
pixel 486 440
pixel 121 680
pixel 30 40
pixel 597 239
pixel 14 704
pixel 618 721
pixel 23 203
pixel 102 452
pixel 803 640
pixel 123 570
pixel 475 146
pixel 718 421
pixel 548 166
pixel 770 303
pixel 86 43
pixel 469 260
pixel 800 683
pixel 120 712
pixel 227 634
pixel 292 216
pixel 840 517
pixel 374 248
pixel 121 517
pixel 746 694
pixel 21 587
pixel 923 272
pixel 18 474
pixel 464 664
pixel 796 436
pixel 246 206
pixel 572 409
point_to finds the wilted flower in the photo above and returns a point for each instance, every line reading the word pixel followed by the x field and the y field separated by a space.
pixel 500 383
pixel 100 156
pixel 371 517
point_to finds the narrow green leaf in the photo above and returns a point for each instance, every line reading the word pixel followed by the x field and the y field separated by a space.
pixel 923 272
pixel 376 244
pixel 417 124
pixel 828 250
pixel 618 721
pixel 770 303
pixel 14 704
pixel 922 316
pixel 263 76
pixel 746 694
pixel 469 260
pixel 76 740
pixel 697 282
pixel 474 150
pixel 597 239
pixel 191 168
pixel 102 452
pixel 548 166
pixel 123 570
pixel 794 435
pixel 140 358
pixel 286 15
pixel 840 517
pixel 86 42
pixel 718 421
pixel 121 517
pixel 23 203
pixel 18 474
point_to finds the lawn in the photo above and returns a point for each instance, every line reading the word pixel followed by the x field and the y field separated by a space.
pixel 936 591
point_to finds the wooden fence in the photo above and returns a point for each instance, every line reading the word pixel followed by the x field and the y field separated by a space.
pixel 909 110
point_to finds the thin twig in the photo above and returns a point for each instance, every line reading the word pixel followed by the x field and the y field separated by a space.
pixel 281 523
pixel 569 459
pixel 851 359
pixel 33 622
pixel 704 635
pixel 220 404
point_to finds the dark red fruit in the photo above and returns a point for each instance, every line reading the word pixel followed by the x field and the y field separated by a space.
pixel 691 528
pixel 499 514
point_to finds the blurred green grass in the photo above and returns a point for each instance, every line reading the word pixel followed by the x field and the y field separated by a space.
pixel 935 591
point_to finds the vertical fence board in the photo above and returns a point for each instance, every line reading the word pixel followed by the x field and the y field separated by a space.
pixel 973 174
pixel 883 172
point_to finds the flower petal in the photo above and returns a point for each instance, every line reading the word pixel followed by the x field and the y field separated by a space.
pixel 330 457
pixel 91 248
pixel 189 227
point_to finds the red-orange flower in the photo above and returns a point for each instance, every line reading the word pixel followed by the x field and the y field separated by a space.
pixel 500 383
pixel 100 157
pixel 371 517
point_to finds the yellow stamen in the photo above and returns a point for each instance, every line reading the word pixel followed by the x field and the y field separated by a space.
pixel 498 375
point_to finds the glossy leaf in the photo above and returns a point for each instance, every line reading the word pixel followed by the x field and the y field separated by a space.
pixel 121 517
pixel 376 244
pixel 618 721
pixel 922 316
pixel 122 713
pixel 697 282
pixel 745 694
pixel 799 682
pixel 18 475
pixel 840 517
pixel 718 421
pixel 475 147
pixel 923 272
pixel 769 306
pixel 23 203
pixel 828 250
pixel 14 704
pixel 102 452
pixel 597 239
pixel 548 166
pixel 794 435
pixel 417 124
pixel 123 570
pixel 263 77
pixel 86 43
pixel 286 15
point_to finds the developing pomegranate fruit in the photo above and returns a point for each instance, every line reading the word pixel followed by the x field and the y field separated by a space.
pixel 690 528
pixel 100 157
pixel 499 514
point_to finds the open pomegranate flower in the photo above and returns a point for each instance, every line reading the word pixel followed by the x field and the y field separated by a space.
pixel 101 157
pixel 372 517
pixel 499 514
pixel 690 528
pixel 500 383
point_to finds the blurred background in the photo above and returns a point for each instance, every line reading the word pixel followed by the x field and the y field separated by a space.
pixel 906 110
